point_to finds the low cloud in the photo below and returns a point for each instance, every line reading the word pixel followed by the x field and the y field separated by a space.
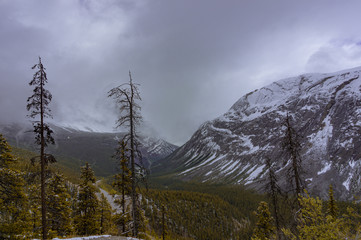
pixel 334 56
pixel 193 59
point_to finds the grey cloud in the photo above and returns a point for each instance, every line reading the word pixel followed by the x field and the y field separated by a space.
pixel 193 59
pixel 334 56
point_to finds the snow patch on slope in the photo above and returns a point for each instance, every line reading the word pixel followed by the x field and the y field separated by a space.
pixel 254 173
pixel 320 139
pixel 248 143
pixel 326 168
pixel 229 167
pixel 347 182
pixel 213 158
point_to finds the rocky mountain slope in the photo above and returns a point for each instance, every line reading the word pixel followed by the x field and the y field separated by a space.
pixel 78 147
pixel 326 112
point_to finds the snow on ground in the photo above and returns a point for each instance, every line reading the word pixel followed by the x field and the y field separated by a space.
pixel 93 237
pixel 82 238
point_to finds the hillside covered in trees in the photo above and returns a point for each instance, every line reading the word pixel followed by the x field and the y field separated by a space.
pixel 189 210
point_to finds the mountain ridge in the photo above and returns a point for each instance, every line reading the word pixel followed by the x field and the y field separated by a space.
pixel 79 146
pixel 232 148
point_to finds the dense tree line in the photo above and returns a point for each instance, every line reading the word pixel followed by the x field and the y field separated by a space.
pixel 193 215
pixel 14 203
pixel 71 209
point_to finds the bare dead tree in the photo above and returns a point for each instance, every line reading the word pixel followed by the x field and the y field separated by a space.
pixel 38 107
pixel 273 191
pixel 127 96
pixel 292 147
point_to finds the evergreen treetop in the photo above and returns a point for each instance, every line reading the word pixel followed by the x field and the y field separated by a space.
pixel 6 157
pixel 332 208
pixel 87 205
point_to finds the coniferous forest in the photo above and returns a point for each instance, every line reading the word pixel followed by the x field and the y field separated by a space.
pixel 180 210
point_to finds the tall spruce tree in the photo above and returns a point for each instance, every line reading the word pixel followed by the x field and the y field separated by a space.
pixel 127 96
pixel 38 107
pixel 59 206
pixel 87 215
pixel 105 214
pixel 122 182
pixel 14 215
pixel 332 208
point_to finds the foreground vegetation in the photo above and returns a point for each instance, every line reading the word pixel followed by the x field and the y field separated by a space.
pixel 175 209
pixel 20 202
pixel 315 219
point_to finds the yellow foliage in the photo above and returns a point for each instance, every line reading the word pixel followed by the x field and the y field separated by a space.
pixel 314 224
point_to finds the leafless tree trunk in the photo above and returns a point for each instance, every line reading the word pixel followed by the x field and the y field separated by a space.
pixel 127 95
pixel 292 147
pixel 273 192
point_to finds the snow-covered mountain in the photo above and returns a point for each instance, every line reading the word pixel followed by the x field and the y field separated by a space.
pixel 78 147
pixel 326 111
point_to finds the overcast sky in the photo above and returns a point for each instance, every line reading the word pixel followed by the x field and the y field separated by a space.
pixel 192 58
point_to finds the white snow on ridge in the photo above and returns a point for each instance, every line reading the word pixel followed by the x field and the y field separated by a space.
pixel 248 143
pixel 347 182
pixel 326 168
pixel 224 130
pixel 209 160
pixel 254 172
pixel 321 138
pixel 347 144
pixel 352 164
pixel 230 165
